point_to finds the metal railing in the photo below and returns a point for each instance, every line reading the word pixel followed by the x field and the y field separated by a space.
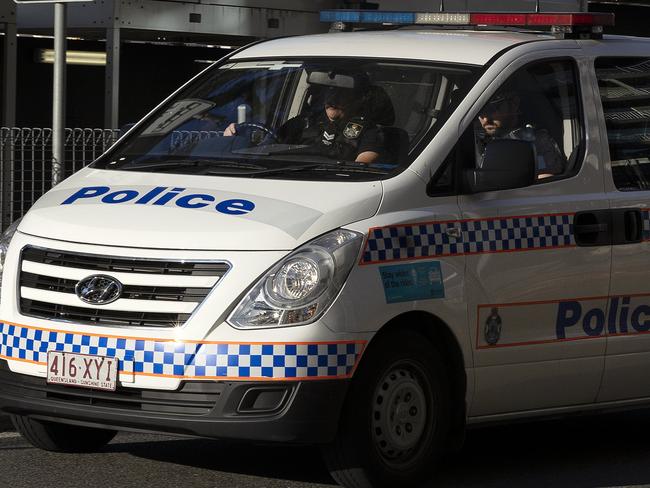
pixel 26 163
pixel 183 139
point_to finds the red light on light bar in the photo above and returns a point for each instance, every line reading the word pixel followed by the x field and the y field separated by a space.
pixel 522 19
pixel 498 19
pixel 603 19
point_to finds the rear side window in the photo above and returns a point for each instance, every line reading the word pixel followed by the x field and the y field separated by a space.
pixel 624 85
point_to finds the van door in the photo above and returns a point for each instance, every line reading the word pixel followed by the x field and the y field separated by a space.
pixel 538 260
pixel 624 89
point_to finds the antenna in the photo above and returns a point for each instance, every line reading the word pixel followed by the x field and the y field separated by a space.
pixel 537 7
pixel 442 5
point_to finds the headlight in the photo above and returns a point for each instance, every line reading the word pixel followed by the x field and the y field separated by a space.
pixel 5 239
pixel 301 286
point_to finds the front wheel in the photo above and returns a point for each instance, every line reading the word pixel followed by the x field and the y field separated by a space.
pixel 395 420
pixel 52 436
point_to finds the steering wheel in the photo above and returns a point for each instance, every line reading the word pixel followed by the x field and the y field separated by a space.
pixel 262 127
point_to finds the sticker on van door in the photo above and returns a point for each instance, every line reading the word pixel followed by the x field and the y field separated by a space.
pixel 409 282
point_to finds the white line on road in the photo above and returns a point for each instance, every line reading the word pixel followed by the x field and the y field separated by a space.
pixel 9 435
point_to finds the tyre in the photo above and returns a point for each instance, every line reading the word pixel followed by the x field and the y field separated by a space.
pixel 52 436
pixel 395 420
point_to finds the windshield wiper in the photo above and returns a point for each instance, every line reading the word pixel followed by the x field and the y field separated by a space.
pixel 217 167
pixel 267 171
pixel 173 163
pixel 323 166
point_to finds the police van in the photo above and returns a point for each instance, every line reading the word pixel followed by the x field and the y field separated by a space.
pixel 367 240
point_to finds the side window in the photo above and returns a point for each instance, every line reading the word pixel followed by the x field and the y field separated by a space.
pixel 539 104
pixel 624 85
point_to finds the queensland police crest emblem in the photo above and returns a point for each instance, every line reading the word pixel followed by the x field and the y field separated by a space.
pixel 352 130
pixel 492 331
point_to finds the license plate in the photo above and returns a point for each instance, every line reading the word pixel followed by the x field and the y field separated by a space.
pixel 96 372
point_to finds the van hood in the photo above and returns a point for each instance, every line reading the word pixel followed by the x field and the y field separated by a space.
pixel 165 211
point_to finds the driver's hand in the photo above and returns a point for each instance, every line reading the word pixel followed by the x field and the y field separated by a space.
pixel 230 131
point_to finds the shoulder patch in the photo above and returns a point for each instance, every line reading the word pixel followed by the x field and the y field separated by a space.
pixel 352 130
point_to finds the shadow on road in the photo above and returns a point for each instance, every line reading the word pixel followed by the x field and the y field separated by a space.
pixel 589 452
pixel 302 464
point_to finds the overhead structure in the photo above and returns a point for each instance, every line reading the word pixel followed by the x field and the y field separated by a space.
pixel 213 21
pixel 228 23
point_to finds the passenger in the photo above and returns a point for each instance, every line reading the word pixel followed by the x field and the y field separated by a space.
pixel 336 130
pixel 501 119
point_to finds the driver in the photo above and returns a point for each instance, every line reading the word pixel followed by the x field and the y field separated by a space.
pixel 336 131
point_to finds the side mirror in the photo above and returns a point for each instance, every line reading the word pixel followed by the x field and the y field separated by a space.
pixel 507 163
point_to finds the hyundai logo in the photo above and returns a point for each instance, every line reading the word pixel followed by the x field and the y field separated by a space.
pixel 98 289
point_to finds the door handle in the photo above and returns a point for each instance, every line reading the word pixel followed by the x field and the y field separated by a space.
pixel 633 225
pixel 628 226
pixel 593 228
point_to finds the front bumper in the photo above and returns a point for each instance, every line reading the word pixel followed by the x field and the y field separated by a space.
pixel 290 412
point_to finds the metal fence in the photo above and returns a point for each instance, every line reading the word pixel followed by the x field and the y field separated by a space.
pixel 26 163
pixel 183 140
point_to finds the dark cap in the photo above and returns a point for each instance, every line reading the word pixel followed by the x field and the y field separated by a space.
pixel 502 96
pixel 339 97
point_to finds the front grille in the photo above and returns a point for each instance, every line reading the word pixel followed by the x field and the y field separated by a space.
pixel 133 292
pixel 95 316
pixel 155 293
pixel 105 264
pixel 192 398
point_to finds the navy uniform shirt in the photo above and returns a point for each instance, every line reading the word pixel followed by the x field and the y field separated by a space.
pixel 340 139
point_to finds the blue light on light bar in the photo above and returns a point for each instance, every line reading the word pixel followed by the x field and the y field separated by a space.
pixel 367 17
pixel 376 17
pixel 350 16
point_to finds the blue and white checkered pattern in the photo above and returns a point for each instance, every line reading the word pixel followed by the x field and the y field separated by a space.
pixel 188 360
pixel 478 236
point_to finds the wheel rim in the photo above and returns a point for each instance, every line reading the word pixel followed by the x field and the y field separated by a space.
pixel 400 413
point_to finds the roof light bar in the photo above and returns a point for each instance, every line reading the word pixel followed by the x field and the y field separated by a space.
pixel 469 19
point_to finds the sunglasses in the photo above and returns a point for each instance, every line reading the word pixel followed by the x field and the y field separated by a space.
pixel 493 107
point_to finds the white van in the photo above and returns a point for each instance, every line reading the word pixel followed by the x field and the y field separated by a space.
pixel 365 240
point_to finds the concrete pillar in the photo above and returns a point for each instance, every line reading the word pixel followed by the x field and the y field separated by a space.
pixel 9 75
pixel 59 93
pixel 8 115
pixel 112 79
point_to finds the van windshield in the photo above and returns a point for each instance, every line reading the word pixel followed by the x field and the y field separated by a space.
pixel 307 119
